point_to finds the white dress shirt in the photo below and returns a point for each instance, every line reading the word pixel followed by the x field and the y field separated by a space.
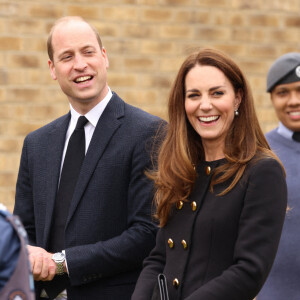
pixel 285 132
pixel 93 117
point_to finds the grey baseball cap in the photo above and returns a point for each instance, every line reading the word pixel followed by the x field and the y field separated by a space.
pixel 285 69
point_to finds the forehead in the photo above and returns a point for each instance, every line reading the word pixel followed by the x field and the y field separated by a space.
pixel 73 34
pixel 288 86
pixel 206 76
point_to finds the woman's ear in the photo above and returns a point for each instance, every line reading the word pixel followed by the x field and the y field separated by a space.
pixel 238 99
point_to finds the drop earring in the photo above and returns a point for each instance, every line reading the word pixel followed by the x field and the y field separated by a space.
pixel 236 113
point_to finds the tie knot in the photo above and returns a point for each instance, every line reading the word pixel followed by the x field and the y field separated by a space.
pixel 296 136
pixel 82 120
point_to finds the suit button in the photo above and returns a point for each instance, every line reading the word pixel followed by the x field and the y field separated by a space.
pixel 207 170
pixel 179 204
pixel 194 205
pixel 171 243
pixel 176 283
pixel 184 244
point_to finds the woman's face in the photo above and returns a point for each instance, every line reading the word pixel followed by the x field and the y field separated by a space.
pixel 210 102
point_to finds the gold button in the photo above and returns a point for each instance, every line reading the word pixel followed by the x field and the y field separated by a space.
pixel 170 243
pixel 179 204
pixel 176 283
pixel 184 244
pixel 194 205
pixel 207 170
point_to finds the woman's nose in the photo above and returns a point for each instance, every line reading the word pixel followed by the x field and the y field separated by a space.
pixel 205 103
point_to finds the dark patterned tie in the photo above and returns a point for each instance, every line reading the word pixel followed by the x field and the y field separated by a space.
pixel 296 136
pixel 72 164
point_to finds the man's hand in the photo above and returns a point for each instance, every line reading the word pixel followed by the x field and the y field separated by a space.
pixel 42 266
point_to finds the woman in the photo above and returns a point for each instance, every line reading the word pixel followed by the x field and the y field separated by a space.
pixel 220 191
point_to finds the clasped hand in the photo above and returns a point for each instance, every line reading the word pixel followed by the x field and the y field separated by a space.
pixel 42 266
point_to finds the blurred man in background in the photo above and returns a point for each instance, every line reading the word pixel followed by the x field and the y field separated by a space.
pixel 283 84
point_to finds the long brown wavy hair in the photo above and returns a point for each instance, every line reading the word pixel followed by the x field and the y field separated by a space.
pixel 182 148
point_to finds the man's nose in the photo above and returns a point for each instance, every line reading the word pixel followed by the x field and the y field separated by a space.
pixel 79 63
pixel 294 98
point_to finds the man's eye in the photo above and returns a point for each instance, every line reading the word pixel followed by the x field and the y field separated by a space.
pixel 281 93
pixel 67 57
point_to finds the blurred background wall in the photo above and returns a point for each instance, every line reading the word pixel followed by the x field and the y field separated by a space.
pixel 146 41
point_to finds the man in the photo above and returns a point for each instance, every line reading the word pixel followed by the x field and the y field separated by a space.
pixel 97 223
pixel 283 84
pixel 16 280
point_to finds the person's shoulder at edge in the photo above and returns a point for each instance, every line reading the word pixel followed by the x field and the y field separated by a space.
pixel 140 116
pixel 271 132
pixel 142 121
pixel 48 127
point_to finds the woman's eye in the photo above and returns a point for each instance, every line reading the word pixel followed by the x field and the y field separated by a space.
pixel 218 93
pixel 192 96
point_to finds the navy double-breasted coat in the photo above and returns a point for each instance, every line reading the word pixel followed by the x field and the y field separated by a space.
pixel 220 247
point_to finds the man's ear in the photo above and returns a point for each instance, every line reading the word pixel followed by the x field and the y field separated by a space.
pixel 52 69
pixel 105 57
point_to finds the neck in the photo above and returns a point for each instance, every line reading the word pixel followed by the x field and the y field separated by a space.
pixel 213 152
pixel 83 106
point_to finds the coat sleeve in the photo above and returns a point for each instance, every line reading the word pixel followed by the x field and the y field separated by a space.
pixel 124 252
pixel 260 226
pixel 153 265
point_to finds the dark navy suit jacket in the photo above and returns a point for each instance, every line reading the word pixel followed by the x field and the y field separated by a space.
pixel 109 230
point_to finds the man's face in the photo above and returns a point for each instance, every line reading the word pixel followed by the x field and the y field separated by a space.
pixel 79 65
pixel 286 101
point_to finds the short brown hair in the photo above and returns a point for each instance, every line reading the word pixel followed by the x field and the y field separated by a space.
pixel 68 19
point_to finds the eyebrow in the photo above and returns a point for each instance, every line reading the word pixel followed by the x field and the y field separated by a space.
pixel 282 88
pixel 211 89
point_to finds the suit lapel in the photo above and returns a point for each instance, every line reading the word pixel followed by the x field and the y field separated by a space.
pixel 107 125
pixel 56 142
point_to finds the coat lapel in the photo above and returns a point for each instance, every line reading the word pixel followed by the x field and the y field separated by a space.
pixel 107 125
pixel 56 141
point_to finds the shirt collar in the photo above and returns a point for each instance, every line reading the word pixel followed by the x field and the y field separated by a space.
pixel 284 131
pixel 95 113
